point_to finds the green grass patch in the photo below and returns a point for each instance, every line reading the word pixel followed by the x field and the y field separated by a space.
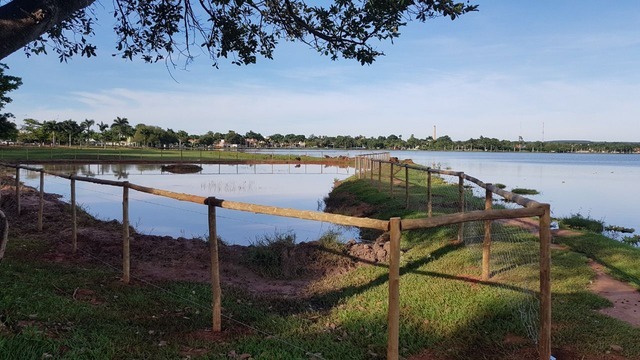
pixel 620 259
pixel 272 255
pixel 580 222
pixel 525 191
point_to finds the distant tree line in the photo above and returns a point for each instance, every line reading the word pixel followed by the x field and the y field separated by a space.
pixel 121 132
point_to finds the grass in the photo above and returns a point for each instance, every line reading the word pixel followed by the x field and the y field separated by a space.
pixel 620 259
pixel 525 191
pixel 273 255
pixel 58 310
pixel 580 222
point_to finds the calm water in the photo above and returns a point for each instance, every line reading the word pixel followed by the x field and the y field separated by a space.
pixel 289 186
pixel 601 186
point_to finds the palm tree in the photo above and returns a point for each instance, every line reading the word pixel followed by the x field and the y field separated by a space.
pixel 71 128
pixel 52 127
pixel 121 125
pixel 86 125
pixel 103 127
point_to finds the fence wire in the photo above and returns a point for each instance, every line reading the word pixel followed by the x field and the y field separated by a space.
pixel 514 244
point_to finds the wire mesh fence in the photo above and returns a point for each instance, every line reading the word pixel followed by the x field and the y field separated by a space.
pixel 505 252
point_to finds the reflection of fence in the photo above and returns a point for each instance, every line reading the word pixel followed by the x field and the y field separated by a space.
pixel 395 226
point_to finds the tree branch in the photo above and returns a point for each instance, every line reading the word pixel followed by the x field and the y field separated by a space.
pixel 23 21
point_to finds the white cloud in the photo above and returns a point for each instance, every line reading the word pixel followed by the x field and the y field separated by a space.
pixel 462 106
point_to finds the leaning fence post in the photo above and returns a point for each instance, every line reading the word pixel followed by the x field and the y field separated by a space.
pixel 18 189
pixel 486 244
pixel 126 242
pixel 216 304
pixel 41 202
pixel 429 201
pixel 545 283
pixel 74 219
pixel 393 326
pixel 461 202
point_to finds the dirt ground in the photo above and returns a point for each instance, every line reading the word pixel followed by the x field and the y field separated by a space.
pixel 625 298
pixel 163 258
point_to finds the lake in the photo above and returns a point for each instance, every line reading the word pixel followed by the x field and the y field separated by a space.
pixel 600 186
pixel 300 187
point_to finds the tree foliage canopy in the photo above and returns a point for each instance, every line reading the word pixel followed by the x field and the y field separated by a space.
pixel 8 83
pixel 238 29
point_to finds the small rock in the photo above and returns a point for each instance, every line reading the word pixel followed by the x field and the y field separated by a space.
pixel 616 348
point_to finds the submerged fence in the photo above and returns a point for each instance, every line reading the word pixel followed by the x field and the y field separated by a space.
pixel 464 214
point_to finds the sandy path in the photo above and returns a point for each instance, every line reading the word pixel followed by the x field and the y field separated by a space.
pixel 625 298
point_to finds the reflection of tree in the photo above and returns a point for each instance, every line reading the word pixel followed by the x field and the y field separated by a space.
pixel 62 168
pixel 120 171
pixel 86 170
pixel 147 167
pixel 30 175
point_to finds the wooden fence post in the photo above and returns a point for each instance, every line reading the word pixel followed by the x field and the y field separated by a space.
pixel 486 244
pixel 126 242
pixel 41 203
pixel 393 326
pixel 355 165
pixel 391 181
pixel 74 219
pixel 429 201
pixel 461 202
pixel 545 283
pixel 371 170
pixel 379 175
pixel 406 185
pixel 216 303
pixel 18 189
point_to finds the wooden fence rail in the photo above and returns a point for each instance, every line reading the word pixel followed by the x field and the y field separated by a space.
pixel 394 225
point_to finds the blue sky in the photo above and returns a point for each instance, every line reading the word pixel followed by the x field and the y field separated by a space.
pixel 512 69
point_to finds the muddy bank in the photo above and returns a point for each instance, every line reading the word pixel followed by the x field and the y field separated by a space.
pixel 163 258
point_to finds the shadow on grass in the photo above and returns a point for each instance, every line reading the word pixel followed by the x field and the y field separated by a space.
pixel 333 297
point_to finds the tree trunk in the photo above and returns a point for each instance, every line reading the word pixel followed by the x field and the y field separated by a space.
pixel 23 21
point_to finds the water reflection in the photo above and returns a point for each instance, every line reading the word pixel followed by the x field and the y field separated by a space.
pixel 288 186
